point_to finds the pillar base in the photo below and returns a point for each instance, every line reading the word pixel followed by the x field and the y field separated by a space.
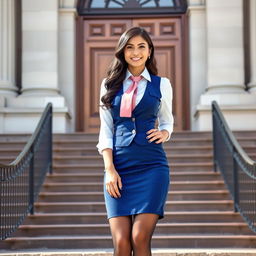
pixel 22 101
pixel 252 87
pixel 239 111
pixel 22 114
pixel 244 98
pixel 237 117
pixel 25 120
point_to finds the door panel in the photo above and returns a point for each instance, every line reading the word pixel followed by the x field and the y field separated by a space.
pixel 100 39
pixel 99 44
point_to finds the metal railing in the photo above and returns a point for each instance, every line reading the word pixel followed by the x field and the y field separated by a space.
pixel 237 168
pixel 21 180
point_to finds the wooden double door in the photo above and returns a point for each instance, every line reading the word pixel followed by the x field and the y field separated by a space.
pixel 97 39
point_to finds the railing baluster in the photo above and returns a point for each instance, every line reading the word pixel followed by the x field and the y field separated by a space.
pixel 31 182
pixel 22 179
pixel 235 181
pixel 237 168
pixel 51 144
pixel 214 146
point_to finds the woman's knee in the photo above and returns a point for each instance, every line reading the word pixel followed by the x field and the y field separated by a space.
pixel 141 238
pixel 122 245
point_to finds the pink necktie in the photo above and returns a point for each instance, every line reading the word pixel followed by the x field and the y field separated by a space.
pixel 129 98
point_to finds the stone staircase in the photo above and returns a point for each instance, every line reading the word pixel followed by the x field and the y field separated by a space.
pixel 70 211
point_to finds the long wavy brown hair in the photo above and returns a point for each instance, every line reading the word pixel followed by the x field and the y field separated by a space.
pixel 117 70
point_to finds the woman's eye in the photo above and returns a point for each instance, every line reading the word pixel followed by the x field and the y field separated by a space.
pixel 142 46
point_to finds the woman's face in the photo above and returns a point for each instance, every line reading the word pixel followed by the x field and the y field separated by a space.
pixel 136 52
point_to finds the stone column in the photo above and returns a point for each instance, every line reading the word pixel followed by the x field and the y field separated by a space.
pixel 225 46
pixel 40 47
pixel 252 84
pixel 40 68
pixel 7 48
pixel 67 54
pixel 197 53
pixel 225 68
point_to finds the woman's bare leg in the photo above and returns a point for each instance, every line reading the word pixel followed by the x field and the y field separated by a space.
pixel 121 228
pixel 142 231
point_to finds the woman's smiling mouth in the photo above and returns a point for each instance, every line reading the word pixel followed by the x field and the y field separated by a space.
pixel 136 59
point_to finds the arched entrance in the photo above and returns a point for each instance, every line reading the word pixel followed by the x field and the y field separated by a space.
pixel 98 32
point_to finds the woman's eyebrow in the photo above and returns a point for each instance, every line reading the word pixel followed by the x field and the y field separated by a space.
pixel 138 44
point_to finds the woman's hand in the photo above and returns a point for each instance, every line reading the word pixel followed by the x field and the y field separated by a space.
pixel 155 134
pixel 113 182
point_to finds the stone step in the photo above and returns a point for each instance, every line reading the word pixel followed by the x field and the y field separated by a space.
pixel 80 135
pixel 158 241
pixel 192 167
pixel 92 151
pixel 85 176
pixel 92 206
pixel 91 217
pixel 198 213
pixel 98 196
pixel 176 141
pixel 175 134
pixel 172 158
pixel 97 159
pixel 234 228
pixel 93 138
pixel 188 205
pixel 97 186
pixel 85 151
pixel 155 252
pixel 7 137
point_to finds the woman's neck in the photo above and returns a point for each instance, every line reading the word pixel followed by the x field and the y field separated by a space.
pixel 136 71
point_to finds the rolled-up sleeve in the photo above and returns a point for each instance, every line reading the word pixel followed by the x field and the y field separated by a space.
pixel 165 116
pixel 106 124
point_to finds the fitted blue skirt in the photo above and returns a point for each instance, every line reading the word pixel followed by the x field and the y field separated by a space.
pixel 145 176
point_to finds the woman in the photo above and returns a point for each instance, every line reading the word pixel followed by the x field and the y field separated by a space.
pixel 136 178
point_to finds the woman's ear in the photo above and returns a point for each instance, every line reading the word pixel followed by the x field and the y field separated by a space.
pixel 149 53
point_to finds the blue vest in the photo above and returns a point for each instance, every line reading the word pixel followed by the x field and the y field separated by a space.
pixel 144 115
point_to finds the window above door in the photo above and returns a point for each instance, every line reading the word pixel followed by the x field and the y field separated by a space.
pixel 117 7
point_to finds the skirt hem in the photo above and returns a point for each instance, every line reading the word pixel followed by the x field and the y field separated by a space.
pixel 160 215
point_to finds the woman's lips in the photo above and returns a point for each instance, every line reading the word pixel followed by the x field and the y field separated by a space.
pixel 135 59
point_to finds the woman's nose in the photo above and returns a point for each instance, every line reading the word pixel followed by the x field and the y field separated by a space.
pixel 136 51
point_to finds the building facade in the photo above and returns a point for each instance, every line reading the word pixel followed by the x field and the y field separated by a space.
pixel 58 51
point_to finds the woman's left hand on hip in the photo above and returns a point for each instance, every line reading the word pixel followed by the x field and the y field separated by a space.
pixel 157 136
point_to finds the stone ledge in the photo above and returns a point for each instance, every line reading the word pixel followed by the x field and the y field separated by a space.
pixel 156 252
pixel 28 118
pixel 238 117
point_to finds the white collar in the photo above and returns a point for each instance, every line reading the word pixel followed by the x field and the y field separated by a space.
pixel 145 74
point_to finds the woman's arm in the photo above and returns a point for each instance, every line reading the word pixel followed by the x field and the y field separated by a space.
pixel 106 124
pixel 105 148
pixel 113 180
pixel 165 117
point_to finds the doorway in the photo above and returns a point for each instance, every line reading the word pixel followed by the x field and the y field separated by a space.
pixel 97 38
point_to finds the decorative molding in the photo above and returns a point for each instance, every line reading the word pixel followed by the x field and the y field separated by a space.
pixel 68 4
pixel 7 48
pixel 196 3
pixel 252 83
pixel 67 10
pixel 117 29
pixel 113 7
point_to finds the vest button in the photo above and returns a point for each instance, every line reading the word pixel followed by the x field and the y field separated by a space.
pixel 133 131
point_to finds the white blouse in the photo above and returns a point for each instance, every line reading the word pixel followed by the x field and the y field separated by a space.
pixel 165 117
